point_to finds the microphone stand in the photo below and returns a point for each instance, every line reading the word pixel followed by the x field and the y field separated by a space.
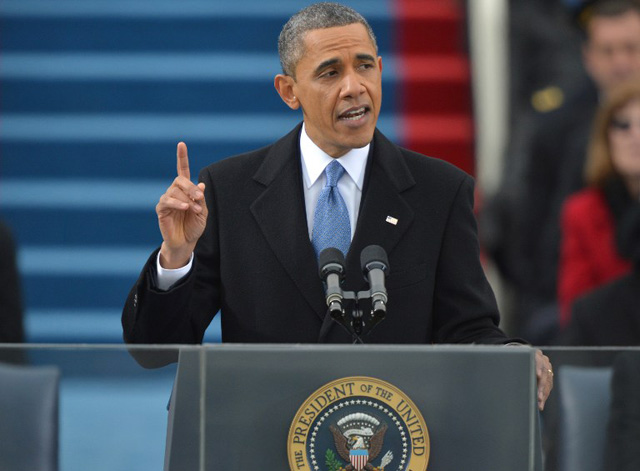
pixel 355 321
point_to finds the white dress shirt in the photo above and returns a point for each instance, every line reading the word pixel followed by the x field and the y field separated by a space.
pixel 314 161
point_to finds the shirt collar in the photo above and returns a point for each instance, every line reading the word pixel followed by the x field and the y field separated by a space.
pixel 315 160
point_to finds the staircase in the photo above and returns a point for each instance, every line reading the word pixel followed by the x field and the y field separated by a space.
pixel 435 90
pixel 94 96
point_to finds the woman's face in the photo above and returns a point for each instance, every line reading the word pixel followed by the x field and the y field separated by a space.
pixel 624 141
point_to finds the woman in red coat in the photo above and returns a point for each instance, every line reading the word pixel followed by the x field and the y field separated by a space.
pixel 590 218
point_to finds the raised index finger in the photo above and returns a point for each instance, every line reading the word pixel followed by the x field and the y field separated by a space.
pixel 183 161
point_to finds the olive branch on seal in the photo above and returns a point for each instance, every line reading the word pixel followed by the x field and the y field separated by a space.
pixel 331 461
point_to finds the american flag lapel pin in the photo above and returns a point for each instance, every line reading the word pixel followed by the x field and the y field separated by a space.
pixel 392 220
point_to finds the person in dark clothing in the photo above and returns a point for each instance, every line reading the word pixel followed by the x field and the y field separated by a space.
pixel 11 319
pixel 11 328
pixel 610 315
pixel 591 217
pixel 245 239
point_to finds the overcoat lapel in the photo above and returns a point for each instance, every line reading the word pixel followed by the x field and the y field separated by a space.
pixel 280 213
pixel 384 214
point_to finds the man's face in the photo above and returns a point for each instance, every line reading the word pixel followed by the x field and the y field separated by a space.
pixel 612 52
pixel 338 86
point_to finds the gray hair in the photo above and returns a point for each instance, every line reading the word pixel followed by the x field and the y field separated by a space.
pixel 316 16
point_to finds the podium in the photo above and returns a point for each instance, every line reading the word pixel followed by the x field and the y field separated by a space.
pixel 233 405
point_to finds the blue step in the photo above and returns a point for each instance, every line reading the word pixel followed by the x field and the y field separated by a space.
pixel 92 325
pixel 63 292
pixel 64 227
pixel 108 160
pixel 166 27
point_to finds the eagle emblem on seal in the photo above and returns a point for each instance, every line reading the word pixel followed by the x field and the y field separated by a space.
pixel 358 423
pixel 358 439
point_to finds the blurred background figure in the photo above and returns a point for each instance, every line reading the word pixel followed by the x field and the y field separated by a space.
pixel 11 328
pixel 545 163
pixel 11 322
pixel 592 217
pixel 610 314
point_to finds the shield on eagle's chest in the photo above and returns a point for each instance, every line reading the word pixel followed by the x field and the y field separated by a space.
pixel 359 458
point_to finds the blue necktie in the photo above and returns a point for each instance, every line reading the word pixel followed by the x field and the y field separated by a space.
pixel 331 227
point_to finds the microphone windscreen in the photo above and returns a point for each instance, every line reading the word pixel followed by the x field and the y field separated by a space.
pixel 374 253
pixel 329 256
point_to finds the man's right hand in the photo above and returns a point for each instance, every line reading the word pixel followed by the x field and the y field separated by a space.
pixel 182 215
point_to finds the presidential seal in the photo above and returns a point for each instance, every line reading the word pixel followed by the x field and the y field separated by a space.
pixel 358 423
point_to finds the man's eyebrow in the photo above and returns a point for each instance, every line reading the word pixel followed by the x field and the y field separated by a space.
pixel 366 57
pixel 327 63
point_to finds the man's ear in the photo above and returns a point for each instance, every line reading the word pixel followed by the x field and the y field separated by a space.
pixel 284 86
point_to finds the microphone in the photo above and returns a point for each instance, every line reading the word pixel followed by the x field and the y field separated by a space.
pixel 375 266
pixel 332 272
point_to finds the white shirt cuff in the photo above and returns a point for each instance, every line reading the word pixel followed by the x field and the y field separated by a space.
pixel 168 277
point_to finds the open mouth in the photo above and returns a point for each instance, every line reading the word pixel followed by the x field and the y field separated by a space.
pixel 354 114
